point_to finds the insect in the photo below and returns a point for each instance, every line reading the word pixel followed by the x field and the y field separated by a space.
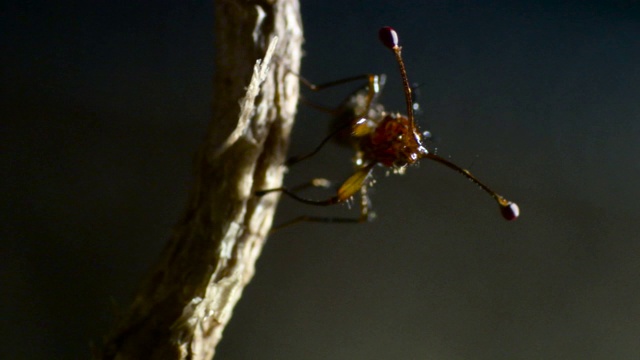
pixel 379 138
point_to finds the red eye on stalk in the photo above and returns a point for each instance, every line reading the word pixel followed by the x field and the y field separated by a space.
pixel 388 36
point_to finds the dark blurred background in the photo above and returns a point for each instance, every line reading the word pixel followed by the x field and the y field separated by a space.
pixel 104 104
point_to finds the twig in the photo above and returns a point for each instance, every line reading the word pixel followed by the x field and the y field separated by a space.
pixel 182 308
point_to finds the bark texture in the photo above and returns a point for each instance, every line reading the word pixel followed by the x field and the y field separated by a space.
pixel 183 306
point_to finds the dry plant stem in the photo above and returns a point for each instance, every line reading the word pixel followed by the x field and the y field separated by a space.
pixel 185 303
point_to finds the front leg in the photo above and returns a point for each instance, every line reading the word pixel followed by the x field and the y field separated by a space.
pixel 357 182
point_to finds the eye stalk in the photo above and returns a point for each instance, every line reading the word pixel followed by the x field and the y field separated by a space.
pixel 389 38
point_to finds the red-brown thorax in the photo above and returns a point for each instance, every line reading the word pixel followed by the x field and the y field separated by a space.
pixel 393 143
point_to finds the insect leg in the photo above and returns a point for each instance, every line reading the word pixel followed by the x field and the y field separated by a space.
pixel 329 84
pixel 315 182
pixel 374 87
pixel 375 83
pixel 356 182
pixel 296 159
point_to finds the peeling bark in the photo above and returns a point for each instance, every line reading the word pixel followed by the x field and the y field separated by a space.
pixel 183 306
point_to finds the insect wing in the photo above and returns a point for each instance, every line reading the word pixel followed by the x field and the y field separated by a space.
pixel 354 183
